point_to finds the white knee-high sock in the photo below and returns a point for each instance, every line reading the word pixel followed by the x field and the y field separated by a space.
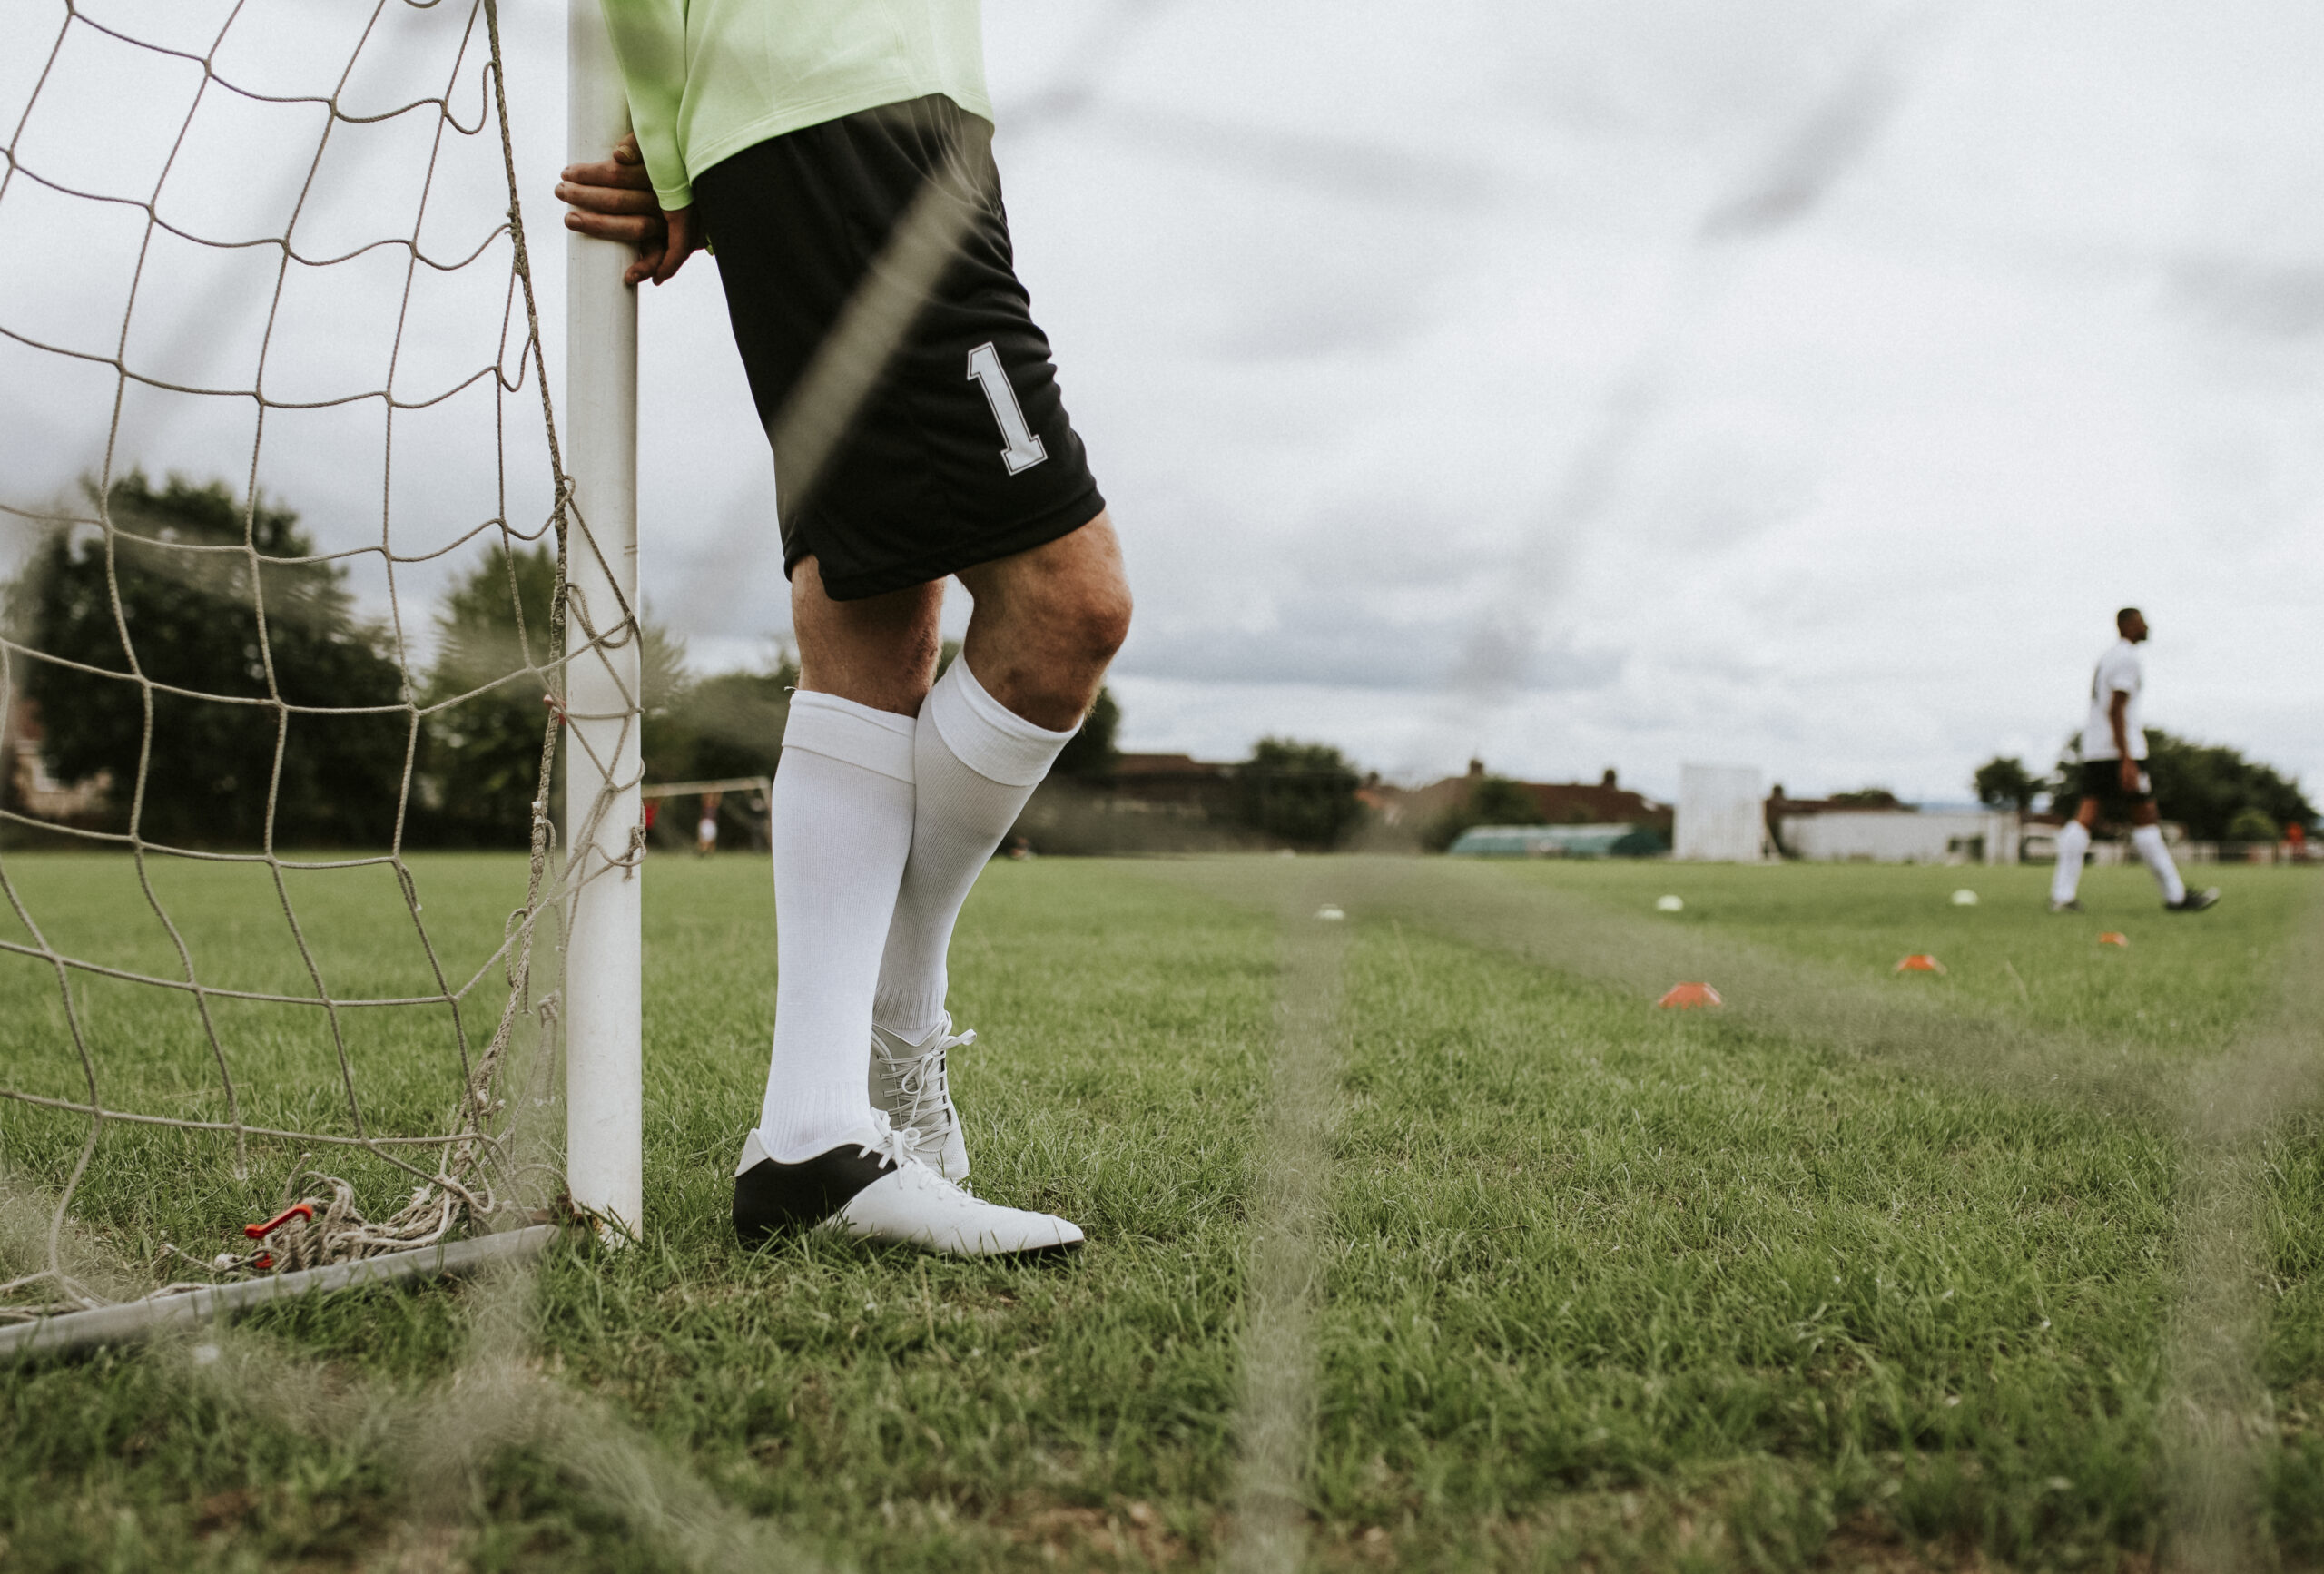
pixel 2148 840
pixel 2073 841
pixel 841 818
pixel 975 763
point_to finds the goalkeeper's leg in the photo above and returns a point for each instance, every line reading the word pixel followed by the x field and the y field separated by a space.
pixel 959 460
pixel 1046 623
pixel 881 823
pixel 841 818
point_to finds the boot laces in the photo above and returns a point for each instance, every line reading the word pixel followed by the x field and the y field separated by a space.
pixel 900 1145
pixel 920 1087
pixel 891 1142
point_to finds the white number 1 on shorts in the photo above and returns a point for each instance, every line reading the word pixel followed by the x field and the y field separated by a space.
pixel 1024 451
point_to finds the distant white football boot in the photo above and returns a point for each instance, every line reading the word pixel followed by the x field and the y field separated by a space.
pixel 874 1188
pixel 911 1084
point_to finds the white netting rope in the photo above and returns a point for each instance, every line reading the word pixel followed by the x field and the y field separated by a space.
pixel 469 1173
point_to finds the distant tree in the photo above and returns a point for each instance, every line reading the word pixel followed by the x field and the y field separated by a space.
pixel 2204 786
pixel 668 740
pixel 487 747
pixel 2251 824
pixel 715 729
pixel 192 623
pixel 1498 801
pixel 1867 798
pixel 737 720
pixel 1090 751
pixel 486 758
pixel 1489 801
pixel 1301 792
pixel 2005 783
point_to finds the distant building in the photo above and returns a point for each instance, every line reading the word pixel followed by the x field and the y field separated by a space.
pixel 1180 791
pixel 1146 803
pixel 1557 841
pixel 1719 816
pixel 1848 831
pixel 1171 783
pixel 1604 801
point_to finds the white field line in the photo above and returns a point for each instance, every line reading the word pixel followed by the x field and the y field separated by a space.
pixel 2218 1418
pixel 1290 1206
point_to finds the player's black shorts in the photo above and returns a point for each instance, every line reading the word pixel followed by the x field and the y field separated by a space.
pixel 2102 780
pixel 960 451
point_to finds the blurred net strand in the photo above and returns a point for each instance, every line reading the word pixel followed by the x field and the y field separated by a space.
pixel 477 1175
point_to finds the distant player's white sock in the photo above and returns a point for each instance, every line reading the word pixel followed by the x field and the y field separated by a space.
pixel 975 763
pixel 2073 841
pixel 840 818
pixel 2148 840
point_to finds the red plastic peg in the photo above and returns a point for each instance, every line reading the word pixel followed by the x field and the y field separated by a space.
pixel 295 1210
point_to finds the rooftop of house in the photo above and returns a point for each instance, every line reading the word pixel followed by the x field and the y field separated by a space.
pixel 1166 765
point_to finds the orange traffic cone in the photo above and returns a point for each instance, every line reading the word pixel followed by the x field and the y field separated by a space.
pixel 2113 937
pixel 1683 996
pixel 1920 963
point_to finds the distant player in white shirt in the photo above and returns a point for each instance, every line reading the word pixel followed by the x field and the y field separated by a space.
pixel 2115 781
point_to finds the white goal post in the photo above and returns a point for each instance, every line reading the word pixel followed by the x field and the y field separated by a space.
pixel 604 952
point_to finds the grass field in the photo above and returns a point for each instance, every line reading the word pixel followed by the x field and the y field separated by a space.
pixel 2014 1266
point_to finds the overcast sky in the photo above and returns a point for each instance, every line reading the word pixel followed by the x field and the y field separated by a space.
pixel 1579 383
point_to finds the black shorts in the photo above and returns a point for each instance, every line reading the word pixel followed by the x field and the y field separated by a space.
pixel 2102 780
pixel 960 451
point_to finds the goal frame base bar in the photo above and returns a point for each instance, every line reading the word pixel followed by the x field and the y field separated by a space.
pixel 141 1319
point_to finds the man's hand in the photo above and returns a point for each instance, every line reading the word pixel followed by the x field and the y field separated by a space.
pixel 614 200
pixel 2131 776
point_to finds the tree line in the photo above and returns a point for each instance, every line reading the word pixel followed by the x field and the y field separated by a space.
pixel 2211 789
pixel 220 609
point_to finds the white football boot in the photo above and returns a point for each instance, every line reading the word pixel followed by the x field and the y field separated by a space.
pixel 912 1085
pixel 874 1188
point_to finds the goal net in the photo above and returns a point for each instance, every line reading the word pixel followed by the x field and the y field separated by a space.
pixel 303 601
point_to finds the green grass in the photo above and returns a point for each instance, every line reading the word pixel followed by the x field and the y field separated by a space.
pixel 1859 1269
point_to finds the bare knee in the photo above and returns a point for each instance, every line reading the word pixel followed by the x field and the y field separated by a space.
pixel 1047 656
pixel 1047 621
pixel 1094 622
pixel 1066 627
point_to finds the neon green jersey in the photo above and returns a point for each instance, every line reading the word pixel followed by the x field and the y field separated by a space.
pixel 708 78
